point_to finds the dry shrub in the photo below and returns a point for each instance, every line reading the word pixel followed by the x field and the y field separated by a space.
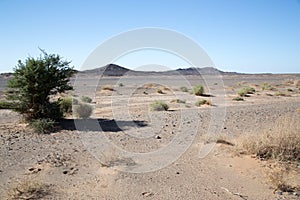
pixel 297 83
pixel 29 190
pixel 282 142
pixel 159 106
pixel 278 177
pixel 150 85
pixel 107 88
pixel 201 102
pixel 184 89
pixel 178 101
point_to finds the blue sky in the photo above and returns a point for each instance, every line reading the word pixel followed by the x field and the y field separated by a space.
pixel 239 35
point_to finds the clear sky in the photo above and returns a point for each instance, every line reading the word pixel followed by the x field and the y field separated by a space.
pixel 238 35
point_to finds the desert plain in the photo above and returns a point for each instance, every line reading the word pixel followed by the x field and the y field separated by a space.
pixel 123 150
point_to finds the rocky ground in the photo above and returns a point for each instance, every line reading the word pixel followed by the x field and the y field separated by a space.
pixel 136 153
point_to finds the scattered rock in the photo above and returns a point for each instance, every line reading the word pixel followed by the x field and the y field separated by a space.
pixel 147 194
pixel 157 137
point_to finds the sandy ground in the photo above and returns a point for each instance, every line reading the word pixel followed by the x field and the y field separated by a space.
pixel 135 153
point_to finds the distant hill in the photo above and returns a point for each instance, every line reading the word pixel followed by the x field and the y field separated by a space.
pixel 116 70
pixel 108 70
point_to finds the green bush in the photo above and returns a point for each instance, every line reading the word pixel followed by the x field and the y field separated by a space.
pixel 238 99
pixel 267 86
pixel 84 110
pixel 86 99
pixel 202 102
pixel 159 106
pixel 7 104
pixel 184 89
pixel 245 91
pixel 42 125
pixel 33 83
pixel 198 90
pixel 66 104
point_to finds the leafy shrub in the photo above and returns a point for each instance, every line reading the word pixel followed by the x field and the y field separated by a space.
pixel 184 89
pixel 267 86
pixel 84 110
pixel 238 99
pixel 33 83
pixel 159 106
pixel 121 84
pixel 245 91
pixel 86 99
pixel 7 105
pixel 198 90
pixel 290 90
pixel 66 104
pixel 201 102
pixel 42 125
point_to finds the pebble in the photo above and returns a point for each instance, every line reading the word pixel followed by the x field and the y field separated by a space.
pixel 157 137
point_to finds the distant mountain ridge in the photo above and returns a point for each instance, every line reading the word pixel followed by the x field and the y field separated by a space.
pixel 116 70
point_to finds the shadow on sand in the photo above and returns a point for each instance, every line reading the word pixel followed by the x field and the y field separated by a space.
pixel 100 125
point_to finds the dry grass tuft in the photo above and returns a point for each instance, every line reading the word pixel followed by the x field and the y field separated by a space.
pixel 29 190
pixel 201 102
pixel 107 88
pixel 281 143
pixel 279 177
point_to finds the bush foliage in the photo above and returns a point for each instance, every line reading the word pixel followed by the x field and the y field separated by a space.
pixel 34 81
pixel 84 110
pixel 198 90
pixel 159 106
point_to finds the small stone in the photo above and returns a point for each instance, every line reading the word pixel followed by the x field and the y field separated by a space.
pixel 157 137
pixel 147 194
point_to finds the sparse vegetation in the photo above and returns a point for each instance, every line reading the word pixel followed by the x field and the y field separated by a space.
pixel 277 176
pixel 159 91
pixel 84 110
pixel 7 104
pixel 290 90
pixel 184 89
pixel 86 99
pixel 121 84
pixel 33 83
pixel 159 106
pixel 238 99
pixel 281 143
pixel 29 190
pixel 66 104
pixel 279 93
pixel 245 91
pixel 178 101
pixel 267 86
pixel 201 102
pixel 198 90
pixel 42 125
pixel 107 87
